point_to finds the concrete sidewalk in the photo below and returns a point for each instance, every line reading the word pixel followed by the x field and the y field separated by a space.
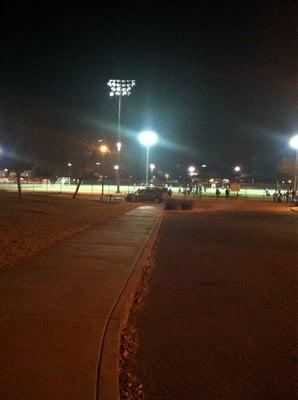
pixel 60 312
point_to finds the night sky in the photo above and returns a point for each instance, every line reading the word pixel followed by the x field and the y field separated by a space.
pixel 217 83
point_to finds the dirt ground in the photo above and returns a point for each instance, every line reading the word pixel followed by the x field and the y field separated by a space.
pixel 39 221
pixel 220 318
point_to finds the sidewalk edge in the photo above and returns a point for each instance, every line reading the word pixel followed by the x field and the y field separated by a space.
pixel 108 375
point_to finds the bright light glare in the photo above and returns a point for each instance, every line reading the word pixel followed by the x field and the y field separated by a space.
pixel 152 167
pixel 147 138
pixel 103 148
pixel 69 164
pixel 116 167
pixel 237 169
pixel 294 142
pixel 204 165
pixel 118 145
pixel 191 169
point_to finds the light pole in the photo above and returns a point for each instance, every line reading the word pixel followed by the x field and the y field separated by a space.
pixel 97 170
pixel 116 168
pixel 237 171
pixel 69 170
pixel 103 149
pixel 294 144
pixel 120 88
pixel 152 168
pixel 147 139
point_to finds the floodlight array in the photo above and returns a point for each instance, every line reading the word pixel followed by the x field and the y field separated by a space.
pixel 121 87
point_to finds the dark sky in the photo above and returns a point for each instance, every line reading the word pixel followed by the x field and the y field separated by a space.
pixel 217 83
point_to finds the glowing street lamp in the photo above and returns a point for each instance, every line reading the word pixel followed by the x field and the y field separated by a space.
pixel 120 88
pixel 237 171
pixel 118 146
pixel 116 168
pixel 191 170
pixel 69 168
pixel 97 168
pixel 103 149
pixel 294 144
pixel 152 168
pixel 147 139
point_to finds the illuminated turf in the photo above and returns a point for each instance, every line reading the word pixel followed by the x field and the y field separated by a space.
pixel 111 189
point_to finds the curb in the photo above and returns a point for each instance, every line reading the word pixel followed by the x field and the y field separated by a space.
pixel 108 368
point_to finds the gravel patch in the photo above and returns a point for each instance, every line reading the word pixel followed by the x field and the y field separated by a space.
pixel 131 387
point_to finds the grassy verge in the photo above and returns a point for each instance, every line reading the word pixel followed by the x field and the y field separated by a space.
pixel 39 221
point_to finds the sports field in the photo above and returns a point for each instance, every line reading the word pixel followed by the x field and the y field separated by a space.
pixel 111 189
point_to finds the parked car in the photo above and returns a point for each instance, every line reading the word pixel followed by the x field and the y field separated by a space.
pixel 154 194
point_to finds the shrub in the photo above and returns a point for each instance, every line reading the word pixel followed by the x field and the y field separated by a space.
pixel 171 204
pixel 186 205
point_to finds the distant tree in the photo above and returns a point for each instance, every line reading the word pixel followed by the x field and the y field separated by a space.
pixel 84 155
pixel 16 142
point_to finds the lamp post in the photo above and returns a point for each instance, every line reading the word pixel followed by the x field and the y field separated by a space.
pixel 103 149
pixel 294 144
pixel 120 88
pixel 116 168
pixel 147 139
pixel 69 165
pixel 152 168
pixel 97 170
pixel 237 171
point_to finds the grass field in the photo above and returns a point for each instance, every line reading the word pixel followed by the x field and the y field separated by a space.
pixel 111 189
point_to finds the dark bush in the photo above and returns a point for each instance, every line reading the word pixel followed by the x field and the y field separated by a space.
pixel 186 205
pixel 172 204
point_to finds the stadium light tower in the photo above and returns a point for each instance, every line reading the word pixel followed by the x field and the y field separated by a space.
pixel 120 88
